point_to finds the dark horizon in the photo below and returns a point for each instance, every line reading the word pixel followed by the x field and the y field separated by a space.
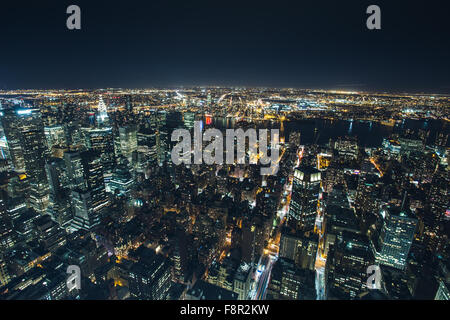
pixel 170 44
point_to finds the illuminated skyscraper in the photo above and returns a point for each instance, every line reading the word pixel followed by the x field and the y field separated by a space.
pixel 347 264
pixel 35 152
pixel 59 207
pixel 128 141
pixel 102 117
pixel 149 278
pixel 55 136
pixel 391 245
pixel 101 140
pixel 11 129
pixel 89 200
pixel 305 196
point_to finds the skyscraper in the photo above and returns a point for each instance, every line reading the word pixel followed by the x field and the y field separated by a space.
pixel 11 129
pixel 102 113
pixel 35 152
pixel 128 141
pixel 305 196
pixel 149 278
pixel 347 264
pixel 101 140
pixel 393 242
pixel 89 199
pixel 59 207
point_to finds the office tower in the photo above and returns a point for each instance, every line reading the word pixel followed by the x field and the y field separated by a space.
pixel 49 235
pixel 55 136
pixel 179 257
pixel 147 144
pixel 242 281
pixel 59 208
pixel 396 283
pixel 46 283
pixel 74 136
pixel 253 238
pixel 347 148
pixel 128 141
pixel 162 143
pixel 222 274
pixel 436 210
pixel 299 247
pixel 368 194
pixel 101 140
pixel 7 239
pixel 89 199
pixel 391 244
pixel 35 152
pixel 24 225
pixel 288 282
pixel 34 143
pixel 121 182
pixel 149 278
pixel 11 124
pixel 74 169
pixel 17 188
pixel 346 266
pixel 305 196
pixel 338 220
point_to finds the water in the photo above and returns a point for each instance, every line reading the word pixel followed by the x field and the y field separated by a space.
pixel 369 133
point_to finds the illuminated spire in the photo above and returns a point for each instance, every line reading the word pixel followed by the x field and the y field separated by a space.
pixel 102 110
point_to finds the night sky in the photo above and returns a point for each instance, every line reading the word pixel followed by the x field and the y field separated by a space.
pixel 156 43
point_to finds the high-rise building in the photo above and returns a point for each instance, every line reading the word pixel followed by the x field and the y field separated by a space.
pixel 150 277
pixel 55 136
pixel 11 128
pixel 89 199
pixel 50 235
pixel 121 182
pixel 242 281
pixel 288 282
pixel 392 243
pixel 101 140
pixel 102 112
pixel 59 207
pixel 347 147
pixel 35 152
pixel 299 247
pixel 7 238
pixel 74 169
pixel 305 196
pixel 128 141
pixel 346 266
